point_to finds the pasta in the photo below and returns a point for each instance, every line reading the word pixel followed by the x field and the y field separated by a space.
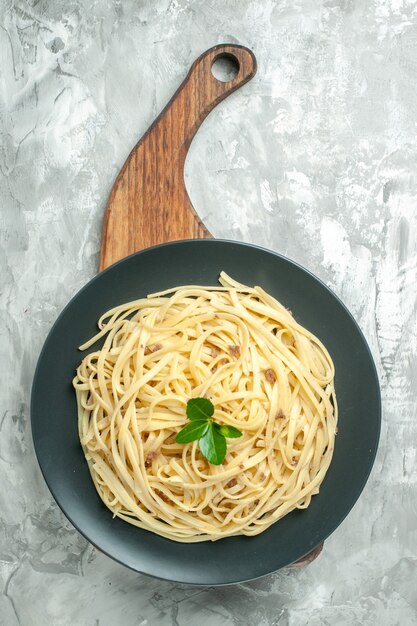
pixel 264 373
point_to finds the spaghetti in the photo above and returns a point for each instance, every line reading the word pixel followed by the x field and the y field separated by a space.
pixel 265 374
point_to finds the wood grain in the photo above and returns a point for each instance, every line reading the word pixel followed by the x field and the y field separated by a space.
pixel 149 203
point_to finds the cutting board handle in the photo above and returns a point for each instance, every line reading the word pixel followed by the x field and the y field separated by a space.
pixel 148 203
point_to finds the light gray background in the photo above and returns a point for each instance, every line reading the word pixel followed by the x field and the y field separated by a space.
pixel 314 158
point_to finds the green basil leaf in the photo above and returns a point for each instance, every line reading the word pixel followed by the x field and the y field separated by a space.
pixel 213 445
pixel 228 431
pixel 199 409
pixel 192 431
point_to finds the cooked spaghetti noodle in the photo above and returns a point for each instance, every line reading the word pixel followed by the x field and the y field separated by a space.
pixel 265 374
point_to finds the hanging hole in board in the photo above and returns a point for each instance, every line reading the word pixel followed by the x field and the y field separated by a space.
pixel 225 68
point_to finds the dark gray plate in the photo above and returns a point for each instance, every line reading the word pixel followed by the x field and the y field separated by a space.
pixel 236 559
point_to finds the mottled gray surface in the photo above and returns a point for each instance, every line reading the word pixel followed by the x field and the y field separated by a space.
pixel 314 158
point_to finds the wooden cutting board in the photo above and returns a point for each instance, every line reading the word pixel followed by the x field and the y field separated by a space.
pixel 149 203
